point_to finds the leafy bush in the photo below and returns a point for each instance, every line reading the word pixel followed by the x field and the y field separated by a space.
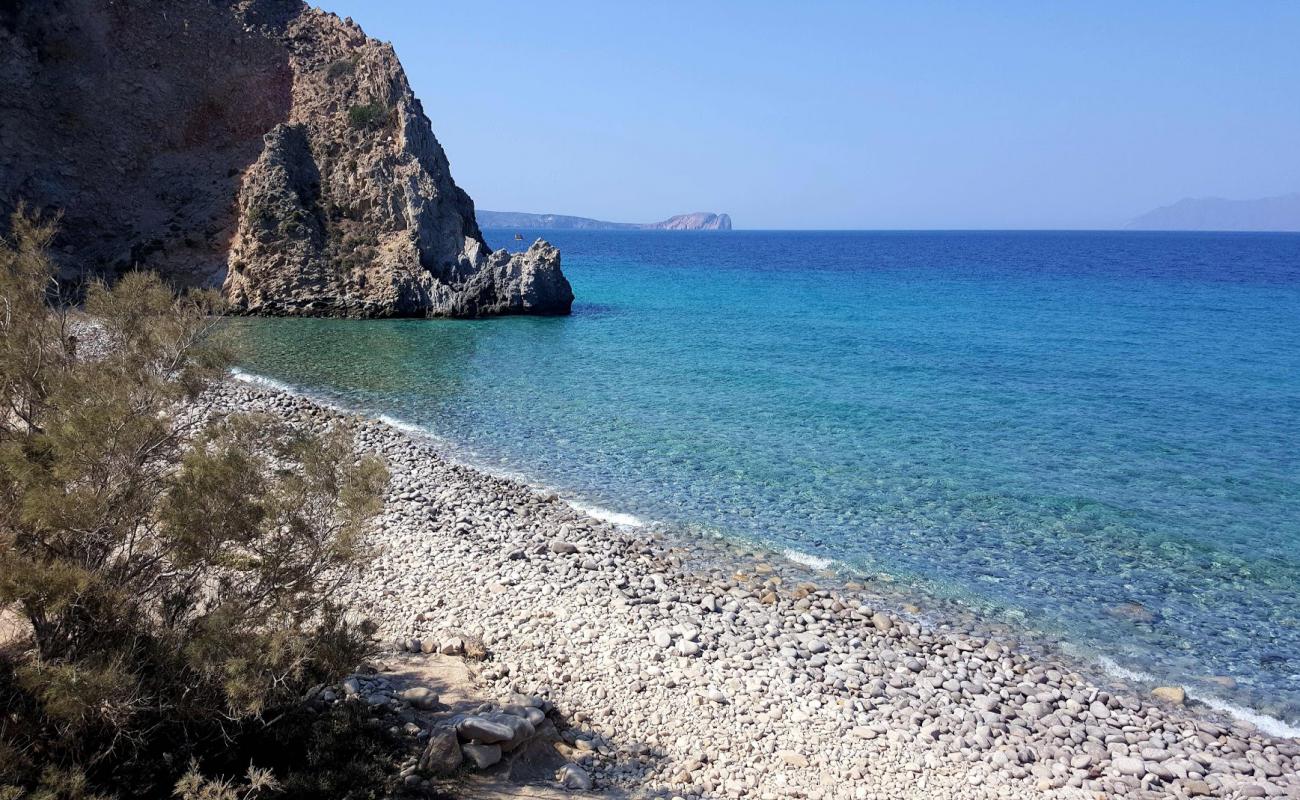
pixel 175 568
pixel 368 116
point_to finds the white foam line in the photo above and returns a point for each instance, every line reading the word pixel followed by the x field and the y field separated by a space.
pixel 261 380
pixel 605 515
pixel 1116 671
pixel 808 560
pixel 253 379
pixel 447 450
pixel 1270 725
pixel 402 425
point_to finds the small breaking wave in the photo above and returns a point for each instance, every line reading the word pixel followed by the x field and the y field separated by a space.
pixel 253 379
pixel 605 515
pixel 808 560
pixel 261 380
pixel 454 454
pixel 403 425
pixel 1113 669
pixel 1270 725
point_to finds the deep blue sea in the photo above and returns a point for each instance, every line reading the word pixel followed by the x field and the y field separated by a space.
pixel 1094 435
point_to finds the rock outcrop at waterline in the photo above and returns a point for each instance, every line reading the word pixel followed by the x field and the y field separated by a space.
pixel 262 146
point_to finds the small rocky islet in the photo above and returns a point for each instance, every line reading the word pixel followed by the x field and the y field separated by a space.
pixel 650 674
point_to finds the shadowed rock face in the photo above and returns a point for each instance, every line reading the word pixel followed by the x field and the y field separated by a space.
pixel 137 125
pixel 262 146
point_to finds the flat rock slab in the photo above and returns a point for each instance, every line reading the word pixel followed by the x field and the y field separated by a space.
pixel 488 789
pixel 13 627
pixel 448 677
pixel 526 772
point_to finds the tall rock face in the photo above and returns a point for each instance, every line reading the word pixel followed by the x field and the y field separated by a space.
pixel 262 146
pixel 136 121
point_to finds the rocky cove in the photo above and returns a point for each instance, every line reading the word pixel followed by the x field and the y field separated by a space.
pixel 663 670
pixel 275 151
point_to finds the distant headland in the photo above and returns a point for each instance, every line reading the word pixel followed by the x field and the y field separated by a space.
pixel 697 221
pixel 1281 213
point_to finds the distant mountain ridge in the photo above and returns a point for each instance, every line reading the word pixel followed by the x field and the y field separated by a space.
pixel 697 221
pixel 1281 213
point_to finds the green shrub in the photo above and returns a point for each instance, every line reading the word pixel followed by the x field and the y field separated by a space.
pixel 262 215
pixel 175 573
pixel 368 116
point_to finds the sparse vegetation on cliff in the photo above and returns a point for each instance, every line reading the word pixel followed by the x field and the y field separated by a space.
pixel 341 67
pixel 368 116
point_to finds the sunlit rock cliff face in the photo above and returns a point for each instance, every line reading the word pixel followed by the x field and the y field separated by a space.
pixel 698 221
pixel 262 146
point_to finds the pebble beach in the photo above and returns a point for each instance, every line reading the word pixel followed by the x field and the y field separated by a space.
pixel 675 673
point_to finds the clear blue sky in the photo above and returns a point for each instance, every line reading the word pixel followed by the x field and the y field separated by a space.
pixel 855 114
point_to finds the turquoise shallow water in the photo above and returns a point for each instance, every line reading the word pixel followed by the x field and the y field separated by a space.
pixel 1096 435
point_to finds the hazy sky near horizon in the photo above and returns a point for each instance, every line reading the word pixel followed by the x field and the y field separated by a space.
pixel 855 114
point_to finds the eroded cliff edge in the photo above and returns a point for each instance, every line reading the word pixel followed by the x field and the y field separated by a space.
pixel 262 146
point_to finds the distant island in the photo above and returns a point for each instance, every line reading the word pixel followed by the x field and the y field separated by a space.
pixel 697 221
pixel 1280 213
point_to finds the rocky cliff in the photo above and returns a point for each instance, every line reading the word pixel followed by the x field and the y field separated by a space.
pixel 698 221
pixel 262 146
